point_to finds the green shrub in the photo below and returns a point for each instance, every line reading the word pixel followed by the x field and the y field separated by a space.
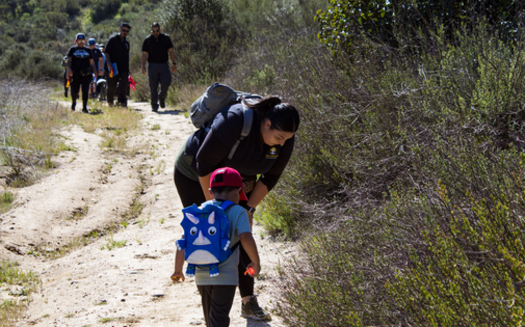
pixel 101 9
pixel 6 199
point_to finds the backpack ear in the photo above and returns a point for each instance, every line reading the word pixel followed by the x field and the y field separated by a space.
pixel 192 218
pixel 211 218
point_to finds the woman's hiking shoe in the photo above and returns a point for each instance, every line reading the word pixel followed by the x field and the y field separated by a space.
pixel 254 311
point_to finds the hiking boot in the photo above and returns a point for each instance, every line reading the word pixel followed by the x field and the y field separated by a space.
pixel 84 110
pixel 73 107
pixel 254 311
pixel 154 109
pixel 162 104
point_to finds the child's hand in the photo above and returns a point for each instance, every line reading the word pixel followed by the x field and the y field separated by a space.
pixel 253 270
pixel 177 276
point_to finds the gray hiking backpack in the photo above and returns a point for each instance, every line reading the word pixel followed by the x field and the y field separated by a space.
pixel 216 98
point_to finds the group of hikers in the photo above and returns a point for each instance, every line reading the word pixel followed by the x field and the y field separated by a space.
pixel 108 67
pixel 222 172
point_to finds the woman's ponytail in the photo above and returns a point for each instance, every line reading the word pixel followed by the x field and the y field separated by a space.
pixel 283 116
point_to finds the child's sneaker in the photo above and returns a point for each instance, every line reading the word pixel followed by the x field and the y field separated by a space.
pixel 254 311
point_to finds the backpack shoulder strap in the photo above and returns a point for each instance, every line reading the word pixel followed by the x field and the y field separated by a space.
pixel 226 204
pixel 246 128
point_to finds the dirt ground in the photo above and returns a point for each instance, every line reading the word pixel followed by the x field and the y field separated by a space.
pixel 123 286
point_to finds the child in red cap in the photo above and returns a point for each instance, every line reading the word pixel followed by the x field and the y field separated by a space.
pixel 217 293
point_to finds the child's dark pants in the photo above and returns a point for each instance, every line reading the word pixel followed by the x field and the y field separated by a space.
pixel 217 302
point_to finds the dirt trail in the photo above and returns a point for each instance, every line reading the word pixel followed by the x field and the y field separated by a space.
pixel 91 190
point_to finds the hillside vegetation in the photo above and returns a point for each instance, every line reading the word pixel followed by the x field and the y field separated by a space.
pixel 406 187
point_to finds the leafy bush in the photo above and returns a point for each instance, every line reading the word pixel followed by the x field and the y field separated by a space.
pixel 101 9
pixel 384 143
pixel 203 38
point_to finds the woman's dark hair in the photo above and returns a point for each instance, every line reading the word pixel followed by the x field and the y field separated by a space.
pixel 283 116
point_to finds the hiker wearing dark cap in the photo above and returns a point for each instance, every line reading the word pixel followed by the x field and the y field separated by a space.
pixel 80 69
pixel 117 59
pixel 99 63
pixel 97 56
pixel 155 49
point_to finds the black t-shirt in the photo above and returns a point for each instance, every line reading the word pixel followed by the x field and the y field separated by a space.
pixel 80 59
pixel 252 156
pixel 118 50
pixel 97 54
pixel 157 48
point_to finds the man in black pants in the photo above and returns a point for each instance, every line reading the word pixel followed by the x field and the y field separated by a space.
pixel 117 52
pixel 80 67
pixel 155 49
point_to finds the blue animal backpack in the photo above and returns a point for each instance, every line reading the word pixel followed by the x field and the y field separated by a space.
pixel 206 239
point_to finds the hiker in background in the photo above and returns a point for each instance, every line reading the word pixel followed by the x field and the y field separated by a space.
pixel 105 69
pixel 80 67
pixel 217 293
pixel 66 79
pixel 117 58
pixel 265 151
pixel 155 49
pixel 102 80
pixel 97 57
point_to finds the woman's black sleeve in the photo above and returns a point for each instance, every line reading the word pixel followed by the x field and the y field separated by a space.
pixel 223 134
pixel 272 176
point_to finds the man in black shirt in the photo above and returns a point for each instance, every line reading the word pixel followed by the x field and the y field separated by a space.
pixel 155 49
pixel 80 68
pixel 117 52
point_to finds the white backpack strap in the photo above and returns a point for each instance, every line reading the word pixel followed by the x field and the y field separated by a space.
pixel 246 128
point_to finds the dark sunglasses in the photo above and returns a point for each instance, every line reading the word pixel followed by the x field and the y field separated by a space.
pixel 125 31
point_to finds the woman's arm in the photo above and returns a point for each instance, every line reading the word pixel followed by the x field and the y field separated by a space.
pixel 259 192
pixel 205 185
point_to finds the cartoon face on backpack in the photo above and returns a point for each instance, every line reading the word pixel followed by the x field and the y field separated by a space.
pixel 206 237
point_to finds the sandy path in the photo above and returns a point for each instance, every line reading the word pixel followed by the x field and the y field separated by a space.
pixel 126 286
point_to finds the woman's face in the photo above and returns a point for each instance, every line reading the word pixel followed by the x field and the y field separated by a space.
pixel 273 137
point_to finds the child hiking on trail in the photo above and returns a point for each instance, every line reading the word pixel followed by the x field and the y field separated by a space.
pixel 217 293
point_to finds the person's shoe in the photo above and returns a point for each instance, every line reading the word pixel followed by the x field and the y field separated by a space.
pixel 73 107
pixel 254 311
pixel 84 110
pixel 155 109
pixel 110 104
pixel 162 104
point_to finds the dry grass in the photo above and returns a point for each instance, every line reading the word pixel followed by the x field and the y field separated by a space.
pixel 17 287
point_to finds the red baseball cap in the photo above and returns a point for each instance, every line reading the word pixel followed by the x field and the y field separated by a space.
pixel 227 177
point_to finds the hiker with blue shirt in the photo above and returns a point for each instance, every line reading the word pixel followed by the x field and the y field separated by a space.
pixel 264 152
pixel 217 293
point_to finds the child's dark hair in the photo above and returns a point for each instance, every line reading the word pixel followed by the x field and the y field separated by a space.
pixel 283 116
pixel 223 189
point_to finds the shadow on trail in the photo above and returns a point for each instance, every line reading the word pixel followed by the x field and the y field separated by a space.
pixel 256 323
pixel 163 112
